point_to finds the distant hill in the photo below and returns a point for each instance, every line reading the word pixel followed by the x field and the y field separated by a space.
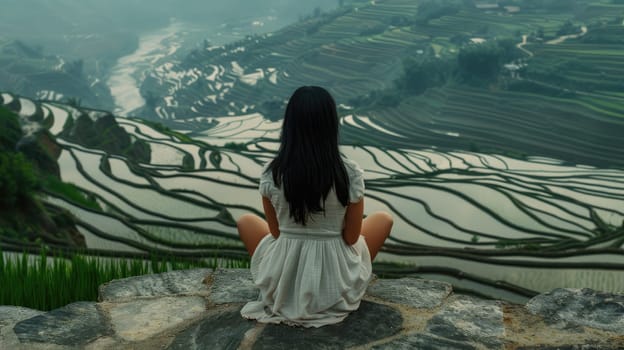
pixel 520 77
pixel 28 70
pixel 57 50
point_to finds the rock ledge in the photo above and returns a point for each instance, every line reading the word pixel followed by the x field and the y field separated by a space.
pixel 199 309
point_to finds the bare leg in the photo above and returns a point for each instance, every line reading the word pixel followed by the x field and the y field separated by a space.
pixel 252 229
pixel 375 229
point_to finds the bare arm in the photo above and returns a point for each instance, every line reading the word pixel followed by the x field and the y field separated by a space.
pixel 271 216
pixel 353 222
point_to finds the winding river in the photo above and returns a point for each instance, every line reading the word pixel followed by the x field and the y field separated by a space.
pixel 126 77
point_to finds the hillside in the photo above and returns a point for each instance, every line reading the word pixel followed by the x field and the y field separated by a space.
pixel 65 50
pixel 537 94
pixel 28 70
pixel 30 172
pixel 27 166
pixel 503 177
pixel 543 223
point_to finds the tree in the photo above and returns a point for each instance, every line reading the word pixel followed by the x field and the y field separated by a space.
pixel 17 179
pixel 10 130
pixel 421 74
pixel 434 9
pixel 568 28
pixel 509 51
pixel 480 63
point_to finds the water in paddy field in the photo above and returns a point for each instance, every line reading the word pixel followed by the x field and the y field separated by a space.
pixel 453 209
pixel 536 222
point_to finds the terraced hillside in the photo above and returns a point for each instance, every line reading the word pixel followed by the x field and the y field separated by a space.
pixel 468 217
pixel 28 70
pixel 561 98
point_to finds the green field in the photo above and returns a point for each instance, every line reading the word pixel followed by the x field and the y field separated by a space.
pixel 565 100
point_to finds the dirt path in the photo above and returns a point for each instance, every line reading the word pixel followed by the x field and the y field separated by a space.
pixel 521 46
pixel 556 41
pixel 563 38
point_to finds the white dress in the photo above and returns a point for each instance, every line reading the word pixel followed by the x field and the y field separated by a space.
pixel 309 276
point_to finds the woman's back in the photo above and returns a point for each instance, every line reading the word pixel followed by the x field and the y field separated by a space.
pixel 330 221
pixel 309 276
pixel 309 258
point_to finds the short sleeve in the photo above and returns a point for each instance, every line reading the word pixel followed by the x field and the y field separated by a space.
pixel 356 180
pixel 266 182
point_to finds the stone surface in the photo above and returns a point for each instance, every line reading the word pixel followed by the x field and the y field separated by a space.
pixel 224 329
pixel 142 319
pixel 468 319
pixel 580 307
pixel 573 347
pixel 423 342
pixel 14 314
pixel 232 286
pixel 75 324
pixel 9 316
pixel 371 322
pixel 198 309
pixel 411 291
pixel 187 282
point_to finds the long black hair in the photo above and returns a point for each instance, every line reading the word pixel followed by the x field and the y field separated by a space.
pixel 308 163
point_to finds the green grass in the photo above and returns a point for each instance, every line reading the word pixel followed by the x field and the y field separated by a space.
pixel 166 130
pixel 70 191
pixel 44 283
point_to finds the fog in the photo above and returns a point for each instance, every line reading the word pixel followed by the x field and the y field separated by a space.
pixel 40 22
pixel 43 41
pixel 29 17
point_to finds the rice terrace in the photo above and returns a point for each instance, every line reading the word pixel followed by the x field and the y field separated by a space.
pixel 493 131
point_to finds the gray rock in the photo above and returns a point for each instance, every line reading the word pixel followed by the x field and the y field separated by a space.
pixel 9 316
pixel 232 286
pixel 573 347
pixel 14 314
pixel 411 291
pixel 187 282
pixel 423 342
pixel 75 324
pixel 369 323
pixel 224 329
pixel 563 307
pixel 469 319
pixel 145 318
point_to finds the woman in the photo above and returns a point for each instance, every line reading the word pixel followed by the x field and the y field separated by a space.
pixel 312 256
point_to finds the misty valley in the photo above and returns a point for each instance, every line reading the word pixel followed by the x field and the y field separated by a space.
pixel 491 130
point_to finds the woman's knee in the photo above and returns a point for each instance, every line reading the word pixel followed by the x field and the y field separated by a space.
pixel 384 217
pixel 246 220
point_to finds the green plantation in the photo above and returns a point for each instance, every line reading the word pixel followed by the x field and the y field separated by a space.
pixel 382 57
pixel 45 283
